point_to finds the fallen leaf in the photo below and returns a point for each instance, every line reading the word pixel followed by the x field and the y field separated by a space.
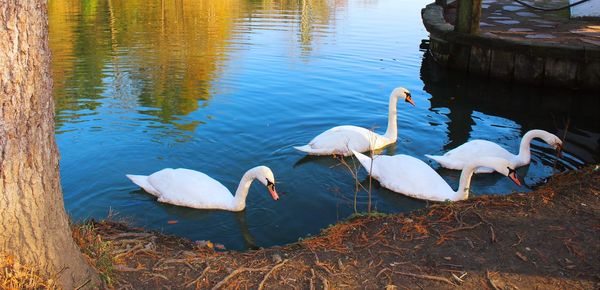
pixel 202 243
pixel 172 222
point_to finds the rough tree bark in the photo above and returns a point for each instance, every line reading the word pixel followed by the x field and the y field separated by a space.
pixel 33 223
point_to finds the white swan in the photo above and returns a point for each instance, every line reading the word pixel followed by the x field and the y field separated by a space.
pixel 413 177
pixel 340 139
pixel 458 157
pixel 195 189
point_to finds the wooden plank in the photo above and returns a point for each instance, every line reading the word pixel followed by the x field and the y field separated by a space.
pixel 440 50
pixel 529 69
pixel 479 62
pixel 560 72
pixel 502 64
pixel 589 75
pixel 459 56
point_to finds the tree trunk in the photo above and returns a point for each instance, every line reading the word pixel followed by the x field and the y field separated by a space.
pixel 33 224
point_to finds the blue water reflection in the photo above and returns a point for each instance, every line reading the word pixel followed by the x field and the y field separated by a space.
pixel 223 86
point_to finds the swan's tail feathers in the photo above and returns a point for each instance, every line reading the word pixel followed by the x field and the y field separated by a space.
pixel 446 162
pixel 142 181
pixel 313 151
pixel 305 148
pixel 364 160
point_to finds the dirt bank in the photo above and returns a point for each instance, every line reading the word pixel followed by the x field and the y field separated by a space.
pixel 546 239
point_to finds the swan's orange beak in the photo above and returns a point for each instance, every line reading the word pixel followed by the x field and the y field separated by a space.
pixel 273 192
pixel 409 100
pixel 513 176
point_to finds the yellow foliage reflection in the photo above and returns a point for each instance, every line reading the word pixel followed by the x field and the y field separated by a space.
pixel 166 55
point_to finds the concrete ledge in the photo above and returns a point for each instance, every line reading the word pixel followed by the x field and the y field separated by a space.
pixel 524 61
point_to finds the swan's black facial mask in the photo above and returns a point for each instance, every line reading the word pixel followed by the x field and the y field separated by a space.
pixel 271 188
pixel 512 174
pixel 270 185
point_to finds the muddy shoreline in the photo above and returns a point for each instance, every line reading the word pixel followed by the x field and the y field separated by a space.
pixel 546 239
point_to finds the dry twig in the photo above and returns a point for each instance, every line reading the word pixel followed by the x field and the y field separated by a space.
pixel 487 275
pixel 237 271
pixel 428 277
pixel 312 283
pixel 518 242
pixel 463 228
pixel 199 276
pixel 262 283
pixel 493 234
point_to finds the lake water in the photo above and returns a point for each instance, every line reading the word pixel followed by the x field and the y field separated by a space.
pixel 223 86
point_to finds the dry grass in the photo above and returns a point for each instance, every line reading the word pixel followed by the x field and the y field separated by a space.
pixel 14 275
pixel 333 238
pixel 353 169
pixel 95 249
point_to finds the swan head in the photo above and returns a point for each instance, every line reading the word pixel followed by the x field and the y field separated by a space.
pixel 502 166
pixel 266 177
pixel 402 93
pixel 553 141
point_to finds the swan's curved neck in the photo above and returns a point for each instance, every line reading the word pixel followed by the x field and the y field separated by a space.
pixel 525 148
pixel 392 129
pixel 465 181
pixel 239 200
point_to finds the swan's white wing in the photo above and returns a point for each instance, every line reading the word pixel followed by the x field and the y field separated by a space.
pixel 447 162
pixel 190 188
pixel 410 176
pixel 458 157
pixel 338 140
